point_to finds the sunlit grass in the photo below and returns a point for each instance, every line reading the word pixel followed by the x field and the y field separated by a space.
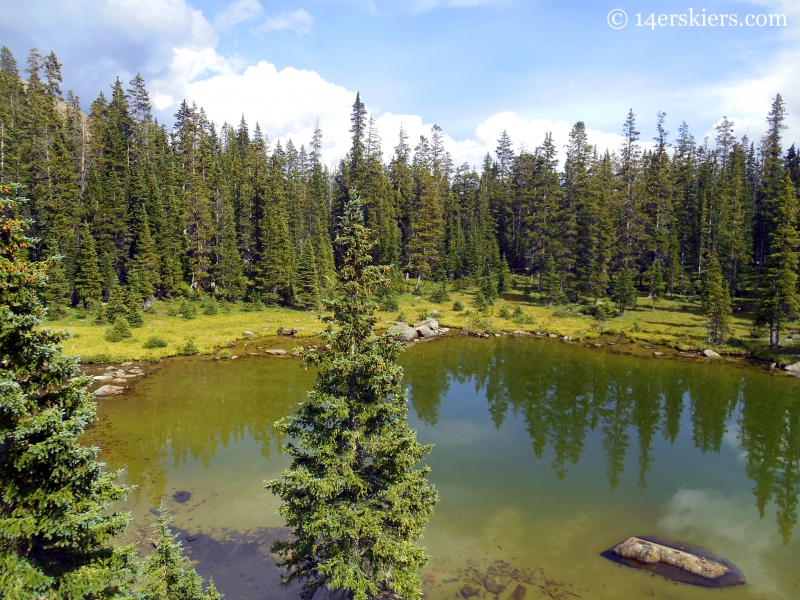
pixel 674 322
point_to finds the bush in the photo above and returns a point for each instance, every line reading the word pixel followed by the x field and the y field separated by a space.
pixel 387 301
pixel 224 353
pixel 253 306
pixel 190 348
pixel 401 317
pixel 505 312
pixel 80 312
pixel 155 342
pixel 440 294
pixel 187 309
pixel 119 330
pixel 457 306
pixel 209 305
pixel 422 314
pixel 101 316
pixel 480 302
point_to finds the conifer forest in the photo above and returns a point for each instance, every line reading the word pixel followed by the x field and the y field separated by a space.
pixel 154 209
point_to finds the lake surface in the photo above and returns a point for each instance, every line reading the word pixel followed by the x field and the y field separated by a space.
pixel 546 454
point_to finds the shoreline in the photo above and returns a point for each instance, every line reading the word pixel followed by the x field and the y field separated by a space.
pixel 259 348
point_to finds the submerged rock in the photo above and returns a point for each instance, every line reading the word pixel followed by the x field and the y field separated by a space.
pixel 468 592
pixel 182 496
pixel 496 583
pixel 676 562
pixel 518 593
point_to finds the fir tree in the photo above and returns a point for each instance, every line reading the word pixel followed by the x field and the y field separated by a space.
pixel 655 280
pixel 353 497
pixel 169 574
pixel 624 293
pixel 88 285
pixel 778 296
pixel 55 525
pixel 552 283
pixel 716 302
pixel 306 282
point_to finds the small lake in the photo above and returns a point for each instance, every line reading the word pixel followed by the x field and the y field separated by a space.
pixel 546 454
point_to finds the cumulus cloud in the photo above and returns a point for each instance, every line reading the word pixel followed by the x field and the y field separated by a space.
pixel 731 527
pixel 298 20
pixel 237 12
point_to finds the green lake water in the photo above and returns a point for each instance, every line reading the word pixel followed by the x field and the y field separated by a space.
pixel 546 454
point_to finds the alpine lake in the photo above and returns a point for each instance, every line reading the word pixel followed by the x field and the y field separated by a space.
pixel 545 455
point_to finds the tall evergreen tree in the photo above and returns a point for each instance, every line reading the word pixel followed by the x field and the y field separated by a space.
pixel 55 527
pixel 88 283
pixel 307 282
pixel 353 497
pixel 716 302
pixel 778 296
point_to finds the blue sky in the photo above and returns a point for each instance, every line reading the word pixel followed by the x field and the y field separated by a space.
pixel 474 67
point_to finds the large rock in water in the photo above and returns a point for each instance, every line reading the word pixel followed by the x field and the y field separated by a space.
pixel 496 583
pixel 675 562
pixel 425 332
pixel 108 390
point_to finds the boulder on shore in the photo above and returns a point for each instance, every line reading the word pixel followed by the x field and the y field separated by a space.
pixel 708 353
pixel 276 351
pixel 425 332
pixel 794 369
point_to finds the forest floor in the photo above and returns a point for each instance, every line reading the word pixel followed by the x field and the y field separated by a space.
pixel 675 323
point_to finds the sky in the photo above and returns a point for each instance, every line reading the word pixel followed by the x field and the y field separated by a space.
pixel 473 67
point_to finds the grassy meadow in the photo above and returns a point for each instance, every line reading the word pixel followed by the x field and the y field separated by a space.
pixel 676 322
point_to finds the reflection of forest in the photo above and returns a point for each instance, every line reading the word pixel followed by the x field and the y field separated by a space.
pixel 193 409
pixel 562 393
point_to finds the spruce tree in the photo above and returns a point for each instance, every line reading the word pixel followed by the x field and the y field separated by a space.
pixel 306 282
pixel 88 283
pixel 716 302
pixel 624 293
pixel 169 574
pixel 655 280
pixel 778 296
pixel 55 524
pixel 352 496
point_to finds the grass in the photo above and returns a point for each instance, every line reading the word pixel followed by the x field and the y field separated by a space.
pixel 675 323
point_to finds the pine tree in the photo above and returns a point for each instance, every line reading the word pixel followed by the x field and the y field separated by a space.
pixel 55 526
pixel 228 273
pixel 655 280
pixel 170 575
pixel 116 303
pixel 353 497
pixel 778 296
pixel 624 293
pixel 145 257
pixel 716 302
pixel 306 281
pixel 88 284
pixel 553 289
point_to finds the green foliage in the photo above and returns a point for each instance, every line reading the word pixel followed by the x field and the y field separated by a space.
pixel 655 278
pixel 553 288
pixel 480 302
pixel 169 575
pixel 440 294
pixel 387 300
pixel 307 281
pixel 187 309
pixel 458 306
pixel 155 342
pixel 119 330
pixel 253 306
pixel 352 496
pixel 778 296
pixel 88 286
pixel 716 302
pixel 602 312
pixel 504 312
pixel 189 348
pixel 624 291
pixel 209 305
pixel 56 525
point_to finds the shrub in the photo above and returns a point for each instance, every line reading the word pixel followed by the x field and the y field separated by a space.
pixel 480 302
pixel 224 353
pixel 253 306
pixel 155 342
pixel 119 330
pixel 440 294
pixel 209 305
pixel 422 314
pixel 101 316
pixel 190 348
pixel 505 312
pixel 388 302
pixel 401 317
pixel 457 306
pixel 187 309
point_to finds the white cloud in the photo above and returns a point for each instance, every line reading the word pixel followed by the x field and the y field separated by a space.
pixel 237 12
pixel 426 5
pixel 731 527
pixel 299 20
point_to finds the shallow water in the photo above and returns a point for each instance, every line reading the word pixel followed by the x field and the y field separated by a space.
pixel 546 454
